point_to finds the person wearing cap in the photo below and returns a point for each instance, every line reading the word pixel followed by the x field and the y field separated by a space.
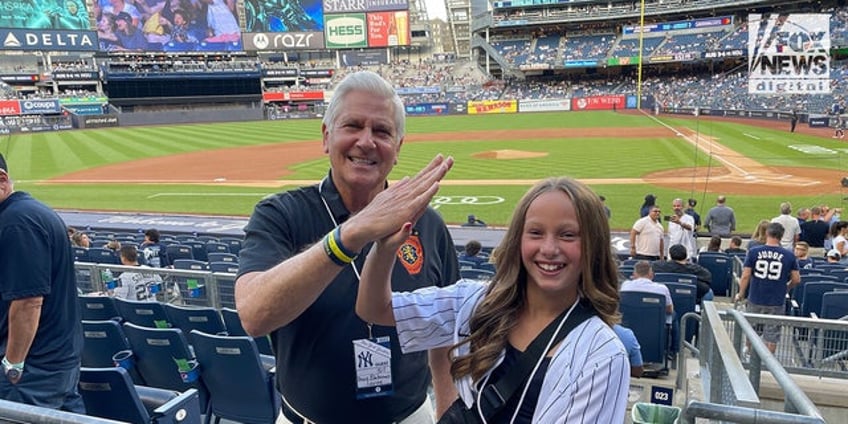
pixel 833 256
pixel 40 322
pixel 690 210
pixel 129 36
pixel 770 271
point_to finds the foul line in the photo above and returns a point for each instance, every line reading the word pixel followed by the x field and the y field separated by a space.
pixel 751 136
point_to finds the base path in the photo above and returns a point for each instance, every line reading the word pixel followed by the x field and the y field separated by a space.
pixel 267 164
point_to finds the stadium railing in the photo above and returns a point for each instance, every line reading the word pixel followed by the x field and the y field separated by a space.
pixel 22 413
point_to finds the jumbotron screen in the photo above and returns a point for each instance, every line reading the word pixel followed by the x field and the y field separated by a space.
pixel 44 14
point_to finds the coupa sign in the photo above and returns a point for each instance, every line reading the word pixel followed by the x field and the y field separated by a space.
pixel 39 106
pixel 345 31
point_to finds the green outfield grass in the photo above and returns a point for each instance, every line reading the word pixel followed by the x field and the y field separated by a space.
pixel 36 157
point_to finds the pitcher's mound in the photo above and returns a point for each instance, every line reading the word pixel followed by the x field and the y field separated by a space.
pixel 509 154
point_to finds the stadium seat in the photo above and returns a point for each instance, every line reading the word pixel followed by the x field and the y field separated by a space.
pixel 101 255
pixel 80 254
pixel 165 360
pixel 205 319
pixel 190 264
pixel 222 257
pixel 228 267
pixel 644 313
pixel 233 243
pixel 721 267
pixel 234 328
pixel 239 387
pixel 98 308
pixel 178 251
pixel 144 314
pixel 813 294
pixel 110 393
pixel 674 277
pixel 198 250
pixel 101 341
pixel 216 247
pixel 683 297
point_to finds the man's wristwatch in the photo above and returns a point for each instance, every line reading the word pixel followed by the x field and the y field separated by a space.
pixel 12 371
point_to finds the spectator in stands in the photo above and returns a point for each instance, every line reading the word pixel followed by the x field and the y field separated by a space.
pixel 135 285
pixel 80 239
pixel 154 253
pixel 472 248
pixel 631 345
pixel 607 210
pixel 646 237
pixel 839 233
pixel 791 228
pixel 690 210
pixel 650 202
pixel 289 285
pixel 833 256
pixel 129 37
pixel 641 282
pixel 679 264
pixel 681 227
pixel 814 230
pixel 474 222
pixel 735 246
pixel 71 232
pixel 758 238
pixel 40 327
pixel 802 252
pixel 113 245
pixel 714 245
pixel 720 218
pixel 556 259
pixel 776 272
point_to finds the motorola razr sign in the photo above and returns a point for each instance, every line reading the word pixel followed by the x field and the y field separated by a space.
pixel 346 31
pixel 789 53
pixel 49 40
pixel 275 41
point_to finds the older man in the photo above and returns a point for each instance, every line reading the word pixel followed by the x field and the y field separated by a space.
pixel 40 328
pixel 720 220
pixel 299 271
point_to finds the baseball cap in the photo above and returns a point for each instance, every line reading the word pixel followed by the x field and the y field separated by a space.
pixel 124 16
pixel 833 253
pixel 3 164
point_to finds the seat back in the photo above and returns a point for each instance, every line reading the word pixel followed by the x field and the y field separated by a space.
pixel 683 296
pixel 110 393
pixel 813 293
pixel 98 308
pixel 164 359
pixel 216 247
pixel 227 267
pixel 178 251
pixel 674 277
pixel 141 313
pixel 834 305
pixel 644 313
pixel 239 387
pixel 101 341
pixel 205 319
pixel 720 266
pixel 233 243
pixel 101 255
pixel 234 328
pixel 80 254
pixel 222 257
pixel 198 250
pixel 190 264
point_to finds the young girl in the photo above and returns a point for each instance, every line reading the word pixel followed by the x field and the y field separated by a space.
pixel 555 254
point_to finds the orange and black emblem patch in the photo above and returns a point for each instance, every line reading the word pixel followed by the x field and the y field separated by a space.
pixel 411 255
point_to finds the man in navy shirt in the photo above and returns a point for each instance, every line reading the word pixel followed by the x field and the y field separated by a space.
pixel 770 270
pixel 40 328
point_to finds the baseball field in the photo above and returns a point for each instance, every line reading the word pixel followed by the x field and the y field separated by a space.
pixel 224 169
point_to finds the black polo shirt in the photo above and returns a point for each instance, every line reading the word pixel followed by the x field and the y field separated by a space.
pixel 315 360
pixel 36 260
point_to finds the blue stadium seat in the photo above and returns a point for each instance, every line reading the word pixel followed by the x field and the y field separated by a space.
pixel 102 255
pixel 178 251
pixel 205 319
pixel 216 247
pixel 228 267
pixel 233 243
pixel 141 313
pixel 98 308
pixel 674 277
pixel 101 341
pixel 234 328
pixel 644 313
pixel 683 297
pixel 239 387
pixel 109 393
pixel 720 266
pixel 222 257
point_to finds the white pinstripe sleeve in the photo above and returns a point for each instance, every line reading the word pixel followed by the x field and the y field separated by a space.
pixel 428 318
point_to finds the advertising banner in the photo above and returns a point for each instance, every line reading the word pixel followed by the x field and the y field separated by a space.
pixel 48 40
pixel 365 57
pixel 623 61
pixel 719 54
pixel 39 106
pixel 819 122
pixel 492 106
pixel 101 121
pixel 428 109
pixel 386 29
pixel 269 41
pixel 10 108
pixel 580 63
pixel 679 25
pixel 676 57
pixel 9 78
pixel 598 103
pixel 74 76
pixel 294 96
pixel 789 53
pixel 283 16
pixel 277 73
pixel 549 105
pixel 83 100
pixel 343 6
pixel 85 109
pixel 345 31
pixel 429 89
